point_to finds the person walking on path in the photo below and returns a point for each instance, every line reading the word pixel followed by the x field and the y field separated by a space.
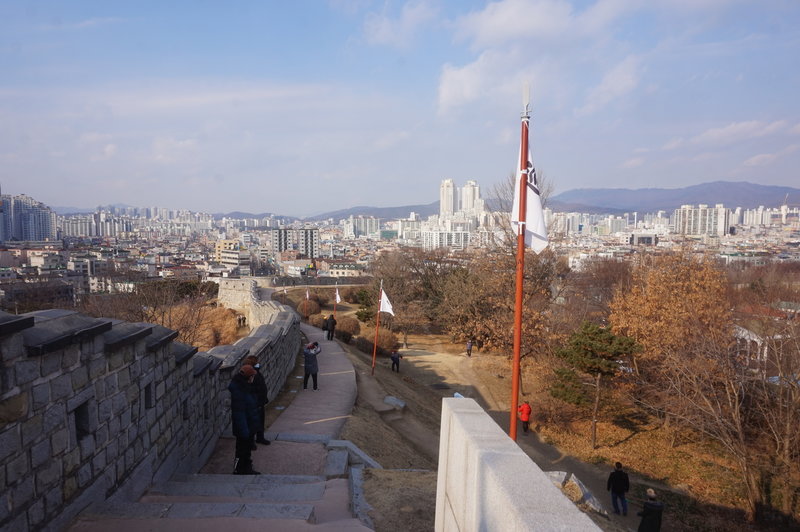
pixel 469 348
pixel 244 417
pixel 310 361
pixel 395 360
pixel 651 513
pixel 330 326
pixel 259 388
pixel 524 415
pixel 618 485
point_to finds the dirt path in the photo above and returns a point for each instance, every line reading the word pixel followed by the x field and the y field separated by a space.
pixel 437 371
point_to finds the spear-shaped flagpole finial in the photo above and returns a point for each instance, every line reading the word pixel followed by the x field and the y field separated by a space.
pixel 526 98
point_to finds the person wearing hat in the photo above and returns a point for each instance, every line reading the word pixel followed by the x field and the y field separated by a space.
pixel 259 388
pixel 651 513
pixel 310 363
pixel 244 418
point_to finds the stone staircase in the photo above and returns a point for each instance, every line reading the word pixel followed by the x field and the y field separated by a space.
pixel 201 502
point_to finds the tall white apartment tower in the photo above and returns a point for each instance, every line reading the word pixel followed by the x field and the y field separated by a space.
pixel 470 196
pixel 448 198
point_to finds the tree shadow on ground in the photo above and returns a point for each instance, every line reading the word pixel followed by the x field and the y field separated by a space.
pixel 636 422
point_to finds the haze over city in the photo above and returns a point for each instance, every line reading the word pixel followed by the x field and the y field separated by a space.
pixel 300 108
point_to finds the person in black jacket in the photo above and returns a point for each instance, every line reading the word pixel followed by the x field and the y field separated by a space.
pixel 259 388
pixel 330 326
pixel 618 485
pixel 651 513
pixel 310 362
pixel 244 417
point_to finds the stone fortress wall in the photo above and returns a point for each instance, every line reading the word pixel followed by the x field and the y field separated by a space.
pixel 95 409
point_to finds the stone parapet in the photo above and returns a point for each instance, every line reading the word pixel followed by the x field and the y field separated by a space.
pixel 486 482
pixel 94 409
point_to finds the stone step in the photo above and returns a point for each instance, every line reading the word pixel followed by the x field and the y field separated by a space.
pixel 248 479
pixel 264 489
pixel 111 511
pixel 337 463
pixel 215 524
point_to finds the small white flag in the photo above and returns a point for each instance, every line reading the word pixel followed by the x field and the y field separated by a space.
pixel 535 228
pixel 284 290
pixel 306 293
pixel 386 306
pixel 338 299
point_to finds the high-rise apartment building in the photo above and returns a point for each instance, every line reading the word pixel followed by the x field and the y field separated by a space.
pixel 308 241
pixel 24 218
pixel 357 226
pixel 701 220
pixel 448 198
pixel 305 240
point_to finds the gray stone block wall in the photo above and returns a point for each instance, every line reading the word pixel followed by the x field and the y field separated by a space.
pixel 91 411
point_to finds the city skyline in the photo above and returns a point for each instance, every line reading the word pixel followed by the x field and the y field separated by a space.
pixel 284 109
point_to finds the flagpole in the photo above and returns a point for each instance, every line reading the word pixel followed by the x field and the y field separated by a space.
pixel 377 324
pixel 523 200
pixel 335 297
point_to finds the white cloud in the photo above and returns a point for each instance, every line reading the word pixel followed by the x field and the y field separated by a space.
pixel 82 24
pixel 765 159
pixel 390 139
pixel 398 33
pixel 170 150
pixel 795 130
pixel 512 20
pixel 633 163
pixel 738 131
pixel 538 20
pixel 348 6
pixel 461 85
pixel 673 144
pixel 619 81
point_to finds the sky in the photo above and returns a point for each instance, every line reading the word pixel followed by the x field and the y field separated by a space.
pixel 308 106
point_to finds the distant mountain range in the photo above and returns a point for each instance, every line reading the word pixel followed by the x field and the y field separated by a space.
pixel 385 213
pixel 591 200
pixel 730 194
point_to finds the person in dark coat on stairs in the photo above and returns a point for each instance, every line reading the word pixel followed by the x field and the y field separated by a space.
pixel 260 390
pixel 244 417
pixel 310 362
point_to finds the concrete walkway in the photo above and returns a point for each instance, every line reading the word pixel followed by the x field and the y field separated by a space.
pixel 304 483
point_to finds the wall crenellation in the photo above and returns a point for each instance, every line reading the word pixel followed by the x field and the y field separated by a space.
pixel 93 409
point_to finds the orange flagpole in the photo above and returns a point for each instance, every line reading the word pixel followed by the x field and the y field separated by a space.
pixel 335 297
pixel 523 200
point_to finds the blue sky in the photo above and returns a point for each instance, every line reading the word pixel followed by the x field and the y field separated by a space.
pixel 309 106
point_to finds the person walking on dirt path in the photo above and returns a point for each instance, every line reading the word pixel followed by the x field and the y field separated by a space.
pixel 524 415
pixel 330 326
pixel 395 356
pixel 310 361
pixel 651 513
pixel 469 348
pixel 244 417
pixel 618 485
pixel 259 388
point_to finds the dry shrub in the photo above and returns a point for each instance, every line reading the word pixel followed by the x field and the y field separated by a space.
pixel 346 328
pixel 317 320
pixel 308 307
pixel 349 325
pixel 386 342
pixel 219 327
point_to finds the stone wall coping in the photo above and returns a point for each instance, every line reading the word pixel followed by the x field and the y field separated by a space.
pixel 52 333
pixel 10 323
pixel 122 334
pixel 182 352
